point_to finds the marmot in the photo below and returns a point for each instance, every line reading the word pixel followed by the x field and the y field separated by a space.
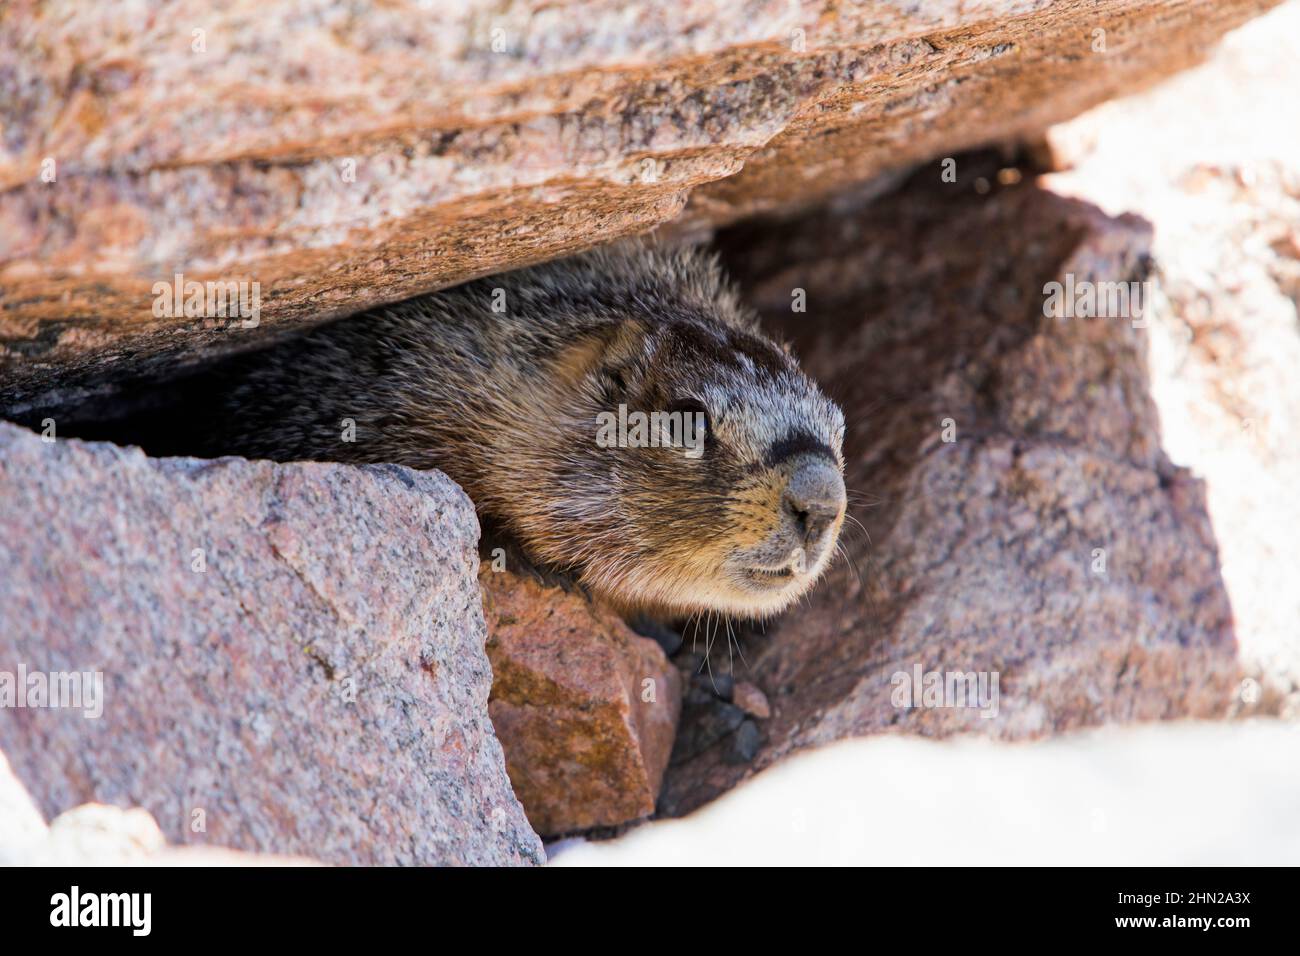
pixel 501 383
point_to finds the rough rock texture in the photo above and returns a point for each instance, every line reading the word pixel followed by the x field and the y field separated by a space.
pixel 1049 541
pixel 751 700
pixel 1219 178
pixel 344 154
pixel 319 689
pixel 585 709
pixel 99 835
pixel 95 834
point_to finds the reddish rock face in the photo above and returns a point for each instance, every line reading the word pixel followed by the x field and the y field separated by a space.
pixel 1219 179
pixel 585 709
pixel 1019 520
pixel 290 656
pixel 341 156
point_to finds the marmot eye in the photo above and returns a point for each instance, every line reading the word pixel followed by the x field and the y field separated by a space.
pixel 689 408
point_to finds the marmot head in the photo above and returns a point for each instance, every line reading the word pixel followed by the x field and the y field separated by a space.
pixel 701 468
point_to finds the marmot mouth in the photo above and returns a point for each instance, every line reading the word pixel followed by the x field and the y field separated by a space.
pixel 767 574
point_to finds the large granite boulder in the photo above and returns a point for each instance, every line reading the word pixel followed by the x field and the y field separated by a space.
pixel 331 156
pixel 280 658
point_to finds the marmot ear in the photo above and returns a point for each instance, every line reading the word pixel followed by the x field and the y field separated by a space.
pixel 623 362
pixel 613 354
pixel 624 344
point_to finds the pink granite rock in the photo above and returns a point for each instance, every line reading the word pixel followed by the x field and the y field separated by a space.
pixel 341 155
pixel 291 656
pixel 585 709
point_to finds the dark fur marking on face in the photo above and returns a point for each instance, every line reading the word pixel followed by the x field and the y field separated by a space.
pixel 799 443
pixel 693 340
pixel 764 356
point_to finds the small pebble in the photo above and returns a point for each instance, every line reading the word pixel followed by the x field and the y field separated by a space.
pixel 721 686
pixel 751 700
pixel 745 743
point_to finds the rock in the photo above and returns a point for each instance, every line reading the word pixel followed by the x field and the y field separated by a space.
pixel 668 638
pixel 98 835
pixel 1022 524
pixel 751 700
pixel 746 743
pixel 721 685
pixel 289 657
pixel 1219 179
pixel 1184 793
pixel 585 709
pixel 342 155
pixel 711 726
pixel 92 834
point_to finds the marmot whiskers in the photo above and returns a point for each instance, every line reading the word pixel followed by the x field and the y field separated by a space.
pixel 501 383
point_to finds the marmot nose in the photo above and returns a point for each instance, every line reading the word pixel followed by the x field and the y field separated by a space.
pixel 815 498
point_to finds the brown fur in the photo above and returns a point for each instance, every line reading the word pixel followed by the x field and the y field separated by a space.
pixel 505 402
